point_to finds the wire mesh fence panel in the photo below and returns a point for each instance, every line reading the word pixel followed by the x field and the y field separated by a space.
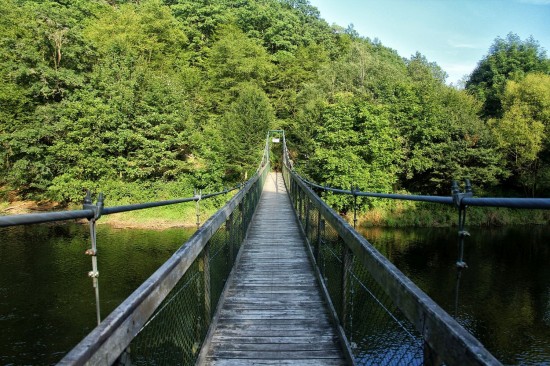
pixel 331 265
pixel 175 332
pixel 377 331
pixel 238 235
pixel 314 229
pixel 220 264
pixel 372 315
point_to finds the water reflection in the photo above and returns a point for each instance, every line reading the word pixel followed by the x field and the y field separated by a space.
pixel 503 295
pixel 47 302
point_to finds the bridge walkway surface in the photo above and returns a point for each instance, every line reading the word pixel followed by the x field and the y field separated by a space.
pixel 273 313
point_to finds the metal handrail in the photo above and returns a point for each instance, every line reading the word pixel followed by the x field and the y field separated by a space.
pixel 509 202
pixel 433 199
pixel 37 218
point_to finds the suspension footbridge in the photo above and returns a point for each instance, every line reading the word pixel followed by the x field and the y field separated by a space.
pixel 276 277
pixel 273 312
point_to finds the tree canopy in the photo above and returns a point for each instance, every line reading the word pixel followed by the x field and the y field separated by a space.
pixel 509 58
pixel 111 94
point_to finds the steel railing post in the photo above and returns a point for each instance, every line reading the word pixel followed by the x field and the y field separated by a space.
pixel 354 207
pixel 462 233
pixel 198 197
pixel 94 273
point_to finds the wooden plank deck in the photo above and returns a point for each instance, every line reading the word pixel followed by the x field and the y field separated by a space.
pixel 273 313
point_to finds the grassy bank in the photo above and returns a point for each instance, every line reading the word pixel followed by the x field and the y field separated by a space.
pixel 382 214
pixel 419 214
pixel 179 215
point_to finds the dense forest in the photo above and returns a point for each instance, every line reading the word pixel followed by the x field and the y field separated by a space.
pixel 150 99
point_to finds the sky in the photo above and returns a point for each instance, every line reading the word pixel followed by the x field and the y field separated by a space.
pixel 456 34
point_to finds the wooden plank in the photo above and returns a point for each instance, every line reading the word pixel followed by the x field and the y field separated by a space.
pixel 267 324
pixel 273 305
pixel 272 339
pixel 329 347
pixel 275 355
pixel 290 324
pixel 273 311
pixel 255 332
pixel 262 362
pixel 273 296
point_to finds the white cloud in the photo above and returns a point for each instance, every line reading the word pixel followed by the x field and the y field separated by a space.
pixel 463 45
pixel 462 41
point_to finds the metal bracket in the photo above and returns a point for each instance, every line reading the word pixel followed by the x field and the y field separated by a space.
pixel 459 196
pixel 462 233
pixel 97 208
pixel 198 197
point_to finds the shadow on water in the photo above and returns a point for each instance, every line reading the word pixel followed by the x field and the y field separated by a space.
pixel 503 297
pixel 47 302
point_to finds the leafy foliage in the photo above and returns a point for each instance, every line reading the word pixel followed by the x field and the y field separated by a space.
pixel 522 133
pixel 508 59
pixel 120 95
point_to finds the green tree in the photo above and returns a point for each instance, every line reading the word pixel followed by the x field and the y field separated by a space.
pixel 508 59
pixel 131 122
pixel 444 138
pixel 244 127
pixel 200 21
pixel 43 60
pixel 235 59
pixel 523 131
pixel 354 143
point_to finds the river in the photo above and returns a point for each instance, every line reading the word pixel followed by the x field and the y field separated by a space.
pixel 502 298
pixel 47 302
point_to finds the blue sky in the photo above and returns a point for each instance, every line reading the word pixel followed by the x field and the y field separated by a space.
pixel 456 34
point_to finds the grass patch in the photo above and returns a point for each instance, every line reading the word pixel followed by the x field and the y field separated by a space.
pixel 4 205
pixel 180 215
pixel 419 214
pixel 177 215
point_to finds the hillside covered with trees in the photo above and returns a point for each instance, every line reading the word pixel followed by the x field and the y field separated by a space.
pixel 150 99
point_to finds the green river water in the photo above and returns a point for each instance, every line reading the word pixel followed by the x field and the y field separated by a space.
pixel 47 302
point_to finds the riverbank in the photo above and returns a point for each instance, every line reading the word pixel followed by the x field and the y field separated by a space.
pixel 418 214
pixel 159 218
pixel 401 214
